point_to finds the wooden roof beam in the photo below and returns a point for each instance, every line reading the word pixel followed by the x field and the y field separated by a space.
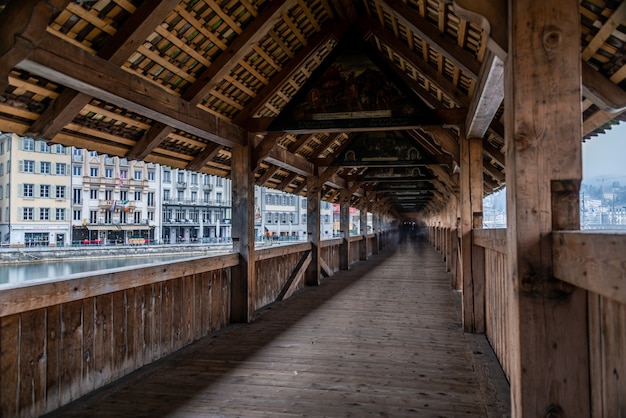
pixel 335 31
pixel 400 48
pixel 99 78
pixel 251 35
pixel 605 94
pixel 207 154
pixel 446 140
pixel 488 95
pixel 121 45
pixel 268 174
pixel 288 161
pixel 433 36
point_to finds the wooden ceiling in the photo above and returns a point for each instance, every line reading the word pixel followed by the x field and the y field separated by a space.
pixel 180 83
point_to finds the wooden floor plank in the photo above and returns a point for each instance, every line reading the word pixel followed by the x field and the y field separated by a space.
pixel 383 339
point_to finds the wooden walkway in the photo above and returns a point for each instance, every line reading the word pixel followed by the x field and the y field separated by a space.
pixel 383 339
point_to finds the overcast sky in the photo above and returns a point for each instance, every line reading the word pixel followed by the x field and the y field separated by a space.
pixel 605 155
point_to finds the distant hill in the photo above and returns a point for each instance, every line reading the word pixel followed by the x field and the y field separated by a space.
pixel 606 180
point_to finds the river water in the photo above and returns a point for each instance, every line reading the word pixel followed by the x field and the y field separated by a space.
pixel 18 273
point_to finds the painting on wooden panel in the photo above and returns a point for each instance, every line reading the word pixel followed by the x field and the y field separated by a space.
pixel 391 174
pixel 383 148
pixel 352 92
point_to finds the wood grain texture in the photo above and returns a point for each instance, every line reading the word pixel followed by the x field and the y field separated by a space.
pixel 383 339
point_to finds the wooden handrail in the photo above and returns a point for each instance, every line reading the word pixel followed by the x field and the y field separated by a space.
pixel 331 242
pixel 282 250
pixel 595 261
pixel 493 239
pixel 41 294
pixel 355 238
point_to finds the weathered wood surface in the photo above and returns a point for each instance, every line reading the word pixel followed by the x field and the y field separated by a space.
pixel 593 261
pixel 57 352
pixel 382 339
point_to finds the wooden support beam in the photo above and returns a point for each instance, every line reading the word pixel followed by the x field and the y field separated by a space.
pixel 23 25
pixel 313 229
pixel 94 76
pixel 601 91
pixel 284 159
pixel 344 229
pixel 445 139
pixel 543 173
pixel 207 154
pixel 487 97
pixel 142 148
pixel 243 291
pixel 264 147
pixel 298 271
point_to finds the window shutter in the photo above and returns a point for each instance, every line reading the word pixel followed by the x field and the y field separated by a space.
pixel 21 166
pixel 20 214
pixel 20 190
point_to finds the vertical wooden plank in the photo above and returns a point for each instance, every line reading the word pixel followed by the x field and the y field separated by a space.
pixel 543 143
pixel 139 327
pixel 88 344
pixel 198 297
pixel 70 367
pixel 53 350
pixel 129 364
pixel 166 318
pixel 9 365
pixel 118 334
pixel 216 299
pixel 32 363
pixel 243 290
pixel 363 230
pixel 177 313
pixel 157 318
pixel 207 303
pixel 103 349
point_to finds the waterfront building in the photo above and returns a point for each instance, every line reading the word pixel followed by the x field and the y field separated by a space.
pixel 114 201
pixel 195 207
pixel 34 192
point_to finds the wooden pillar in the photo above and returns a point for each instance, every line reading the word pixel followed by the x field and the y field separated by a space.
pixel 344 229
pixel 242 294
pixel 471 218
pixel 376 230
pixel 363 229
pixel 314 199
pixel 550 370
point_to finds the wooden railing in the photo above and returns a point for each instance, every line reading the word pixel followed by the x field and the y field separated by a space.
pixel 60 340
pixel 354 243
pixel 595 262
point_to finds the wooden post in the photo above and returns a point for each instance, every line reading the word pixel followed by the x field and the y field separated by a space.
pixel 550 369
pixel 376 230
pixel 344 229
pixel 313 203
pixel 242 293
pixel 363 229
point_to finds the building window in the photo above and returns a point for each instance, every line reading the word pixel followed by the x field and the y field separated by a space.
pixel 93 216
pixel 108 195
pixel 194 197
pixel 60 192
pixel 59 149
pixel 77 196
pixel 268 217
pixel 181 177
pixel 151 216
pixel 218 197
pixel 61 169
pixel 181 195
pixel 44 191
pixel 28 190
pixel 77 215
pixel 60 214
pixel 303 219
pixel 194 179
pixel 283 218
pixel 44 167
pixel 93 153
pixel 44 214
pixel 219 182
pixel 29 144
pixel 93 194
pixel 167 176
pixel 78 170
pixel 27 214
pixel 93 171
pixel 1 195
pixel 78 152
pixel 137 195
pixel 123 175
pixel 137 174
pixel 1 169
pixel 108 173
pixel 137 217
pixel 44 147
pixel 303 204
pixel 27 166
pixel 207 197
pixel 151 175
pixel 124 195
pixel 166 195
pixel 150 198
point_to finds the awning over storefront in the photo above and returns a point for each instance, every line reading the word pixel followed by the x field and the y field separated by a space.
pixel 119 227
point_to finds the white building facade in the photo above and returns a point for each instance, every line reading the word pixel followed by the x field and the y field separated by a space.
pixel 34 192
pixel 196 207
pixel 114 201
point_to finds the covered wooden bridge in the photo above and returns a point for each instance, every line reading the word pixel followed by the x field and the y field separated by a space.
pixel 409 110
